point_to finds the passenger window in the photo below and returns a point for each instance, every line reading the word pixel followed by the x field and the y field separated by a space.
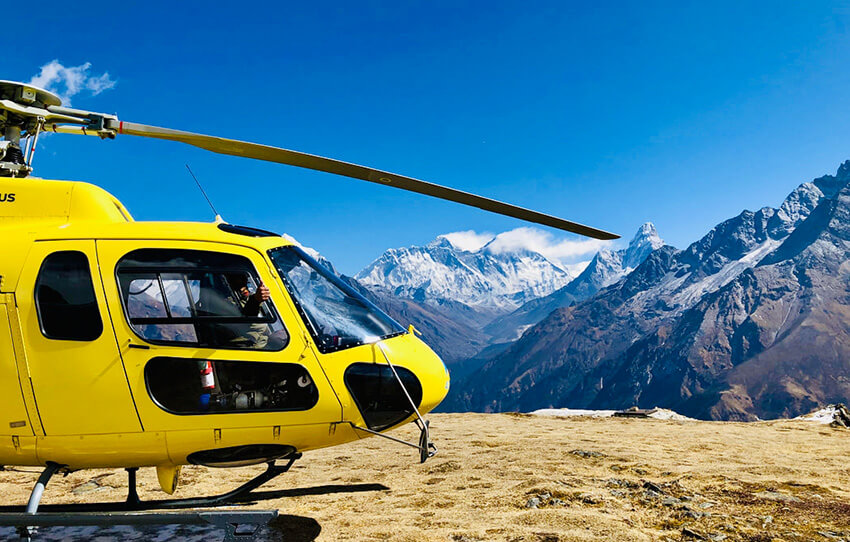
pixel 64 298
pixel 198 298
pixel 191 386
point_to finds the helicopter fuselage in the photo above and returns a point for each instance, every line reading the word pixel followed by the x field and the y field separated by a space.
pixel 130 344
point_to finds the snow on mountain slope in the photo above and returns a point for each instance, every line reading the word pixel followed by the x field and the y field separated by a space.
pixel 491 279
pixel 606 268
pixel 313 253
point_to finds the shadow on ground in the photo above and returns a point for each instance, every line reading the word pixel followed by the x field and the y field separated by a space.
pixel 191 503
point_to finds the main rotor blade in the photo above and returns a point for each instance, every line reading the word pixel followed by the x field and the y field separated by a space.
pixel 294 158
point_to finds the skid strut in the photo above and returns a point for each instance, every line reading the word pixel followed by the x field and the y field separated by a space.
pixel 26 531
pixel 426 448
pixel 273 470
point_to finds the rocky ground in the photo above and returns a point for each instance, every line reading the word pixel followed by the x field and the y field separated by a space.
pixel 514 477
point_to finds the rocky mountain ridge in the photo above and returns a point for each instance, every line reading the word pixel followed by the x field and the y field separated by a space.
pixel 750 321
pixel 606 268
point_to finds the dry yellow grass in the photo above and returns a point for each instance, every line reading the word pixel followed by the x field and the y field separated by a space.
pixel 643 479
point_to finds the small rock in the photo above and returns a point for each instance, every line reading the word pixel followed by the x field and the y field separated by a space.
pixel 691 533
pixel 92 485
pixel 766 520
pixel 618 493
pixel 670 501
pixel 588 498
pixel 619 482
pixel 545 496
pixel 650 494
pixel 776 496
pixel 692 514
pixel 640 472
pixel 533 502
pixel 587 453
pixel 706 505
pixel 829 534
pixel 654 487
pixel 717 537
pixel 557 502
pixel 841 417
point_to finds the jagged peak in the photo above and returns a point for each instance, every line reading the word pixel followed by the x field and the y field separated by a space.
pixel 642 244
pixel 443 242
pixel 843 170
pixel 647 234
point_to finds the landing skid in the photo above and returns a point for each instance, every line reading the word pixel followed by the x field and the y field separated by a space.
pixel 27 521
pixel 239 494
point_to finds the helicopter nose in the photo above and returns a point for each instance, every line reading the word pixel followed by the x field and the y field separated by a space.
pixel 436 384
pixel 427 366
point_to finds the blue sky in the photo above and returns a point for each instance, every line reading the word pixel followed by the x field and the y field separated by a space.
pixel 610 114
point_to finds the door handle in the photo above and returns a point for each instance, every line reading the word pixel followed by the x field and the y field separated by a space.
pixel 139 346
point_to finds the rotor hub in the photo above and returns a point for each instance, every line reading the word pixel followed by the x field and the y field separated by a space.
pixel 20 108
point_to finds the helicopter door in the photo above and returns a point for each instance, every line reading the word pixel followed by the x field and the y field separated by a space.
pixel 199 349
pixel 15 420
pixel 77 376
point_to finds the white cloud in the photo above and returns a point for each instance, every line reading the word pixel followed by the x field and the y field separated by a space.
pixel 571 254
pixel 68 81
pixel 575 269
pixel 564 251
pixel 468 240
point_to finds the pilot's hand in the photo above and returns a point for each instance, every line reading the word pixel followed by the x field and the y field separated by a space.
pixel 262 293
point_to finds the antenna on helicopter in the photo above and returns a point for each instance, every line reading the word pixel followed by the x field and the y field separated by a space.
pixel 30 110
pixel 201 188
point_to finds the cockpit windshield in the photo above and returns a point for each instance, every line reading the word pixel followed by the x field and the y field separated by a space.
pixel 336 314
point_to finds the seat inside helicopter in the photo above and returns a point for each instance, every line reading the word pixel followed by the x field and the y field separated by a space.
pixel 187 297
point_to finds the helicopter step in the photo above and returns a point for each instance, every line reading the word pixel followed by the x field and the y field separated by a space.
pixel 106 514
pixel 230 521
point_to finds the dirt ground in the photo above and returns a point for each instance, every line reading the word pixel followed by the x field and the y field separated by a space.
pixel 514 477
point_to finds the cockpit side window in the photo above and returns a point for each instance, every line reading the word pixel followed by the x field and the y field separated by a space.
pixel 197 298
pixel 65 300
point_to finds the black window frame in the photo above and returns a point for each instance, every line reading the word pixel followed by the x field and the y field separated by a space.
pixel 157 401
pixel 160 270
pixel 38 308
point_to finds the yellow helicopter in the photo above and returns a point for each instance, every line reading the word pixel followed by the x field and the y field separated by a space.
pixel 128 344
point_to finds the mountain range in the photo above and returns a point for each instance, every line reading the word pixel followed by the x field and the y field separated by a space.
pixel 751 321
pixel 490 281
pixel 606 268
pixel 471 303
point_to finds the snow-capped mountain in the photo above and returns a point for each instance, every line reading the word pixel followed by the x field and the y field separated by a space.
pixel 606 268
pixel 749 321
pixel 313 253
pixel 490 280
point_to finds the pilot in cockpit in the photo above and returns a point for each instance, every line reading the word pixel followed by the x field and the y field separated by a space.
pixel 249 305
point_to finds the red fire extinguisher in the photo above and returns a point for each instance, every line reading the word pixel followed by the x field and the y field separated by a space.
pixel 207 376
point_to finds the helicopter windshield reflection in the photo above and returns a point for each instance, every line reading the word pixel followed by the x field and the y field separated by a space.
pixel 337 315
